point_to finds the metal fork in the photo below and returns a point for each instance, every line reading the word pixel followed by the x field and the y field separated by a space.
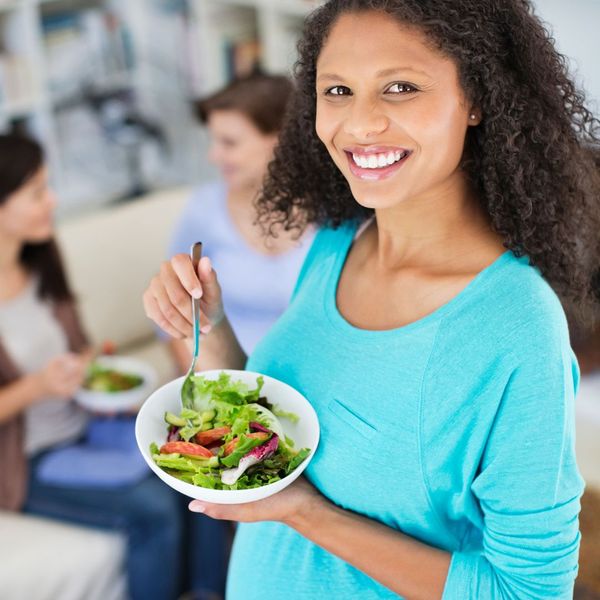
pixel 187 389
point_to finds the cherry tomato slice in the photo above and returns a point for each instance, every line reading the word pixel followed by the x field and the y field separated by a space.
pixel 185 448
pixel 212 435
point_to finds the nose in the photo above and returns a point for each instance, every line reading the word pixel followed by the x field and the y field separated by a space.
pixel 365 120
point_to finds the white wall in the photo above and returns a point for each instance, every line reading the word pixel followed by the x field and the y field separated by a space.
pixel 576 27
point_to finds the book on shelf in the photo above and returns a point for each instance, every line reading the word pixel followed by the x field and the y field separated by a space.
pixel 242 57
pixel 16 80
pixel 85 47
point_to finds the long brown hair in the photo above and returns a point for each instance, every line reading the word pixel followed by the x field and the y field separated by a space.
pixel 20 159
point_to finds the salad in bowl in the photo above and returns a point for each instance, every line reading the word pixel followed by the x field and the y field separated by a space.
pixel 246 437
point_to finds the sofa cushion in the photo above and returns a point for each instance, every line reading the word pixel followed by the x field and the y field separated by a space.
pixel 46 560
pixel 111 255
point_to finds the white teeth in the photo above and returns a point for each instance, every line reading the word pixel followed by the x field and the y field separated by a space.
pixel 377 161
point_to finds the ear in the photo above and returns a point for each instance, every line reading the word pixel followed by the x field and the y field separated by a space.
pixel 474 117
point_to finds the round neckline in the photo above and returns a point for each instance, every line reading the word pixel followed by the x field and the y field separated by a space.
pixel 231 225
pixel 341 324
pixel 26 291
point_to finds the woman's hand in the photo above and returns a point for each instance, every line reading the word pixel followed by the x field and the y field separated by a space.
pixel 62 376
pixel 167 299
pixel 288 506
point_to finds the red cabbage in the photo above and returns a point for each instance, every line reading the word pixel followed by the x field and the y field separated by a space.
pixel 256 455
pixel 256 426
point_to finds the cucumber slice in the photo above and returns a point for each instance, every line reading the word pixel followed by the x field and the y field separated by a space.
pixel 173 419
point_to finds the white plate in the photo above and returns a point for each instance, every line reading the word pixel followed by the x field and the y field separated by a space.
pixel 150 427
pixel 119 401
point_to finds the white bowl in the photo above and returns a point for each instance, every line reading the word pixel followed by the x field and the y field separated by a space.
pixel 150 427
pixel 110 402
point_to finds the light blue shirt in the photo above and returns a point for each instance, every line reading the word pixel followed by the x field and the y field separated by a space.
pixel 256 287
pixel 457 430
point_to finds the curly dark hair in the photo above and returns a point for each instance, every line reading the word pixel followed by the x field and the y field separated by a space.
pixel 531 159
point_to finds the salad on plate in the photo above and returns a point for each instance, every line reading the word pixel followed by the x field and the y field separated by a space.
pixel 100 378
pixel 232 439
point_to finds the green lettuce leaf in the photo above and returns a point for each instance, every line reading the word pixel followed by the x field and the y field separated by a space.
pixel 241 424
pixel 223 389
pixel 290 416
pixel 244 446
pixel 302 454
pixel 183 463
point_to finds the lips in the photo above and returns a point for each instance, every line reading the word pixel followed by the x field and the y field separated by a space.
pixel 376 155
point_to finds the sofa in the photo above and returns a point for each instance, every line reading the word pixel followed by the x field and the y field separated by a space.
pixel 111 255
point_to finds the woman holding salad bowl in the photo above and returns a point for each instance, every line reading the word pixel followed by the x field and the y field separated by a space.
pixel 442 148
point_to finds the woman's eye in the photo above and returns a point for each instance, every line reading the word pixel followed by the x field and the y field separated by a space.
pixel 338 90
pixel 401 88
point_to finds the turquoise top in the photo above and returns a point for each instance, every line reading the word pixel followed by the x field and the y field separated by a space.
pixel 457 429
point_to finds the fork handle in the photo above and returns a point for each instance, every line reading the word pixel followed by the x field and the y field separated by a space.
pixel 195 255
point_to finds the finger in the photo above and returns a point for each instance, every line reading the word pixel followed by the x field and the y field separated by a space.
pixel 77 363
pixel 70 385
pixel 208 279
pixel 182 265
pixel 87 356
pixel 69 366
pixel 211 301
pixel 178 295
pixel 225 512
pixel 169 312
pixel 153 312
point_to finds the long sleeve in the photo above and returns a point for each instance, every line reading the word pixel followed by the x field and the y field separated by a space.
pixel 528 486
pixel 188 228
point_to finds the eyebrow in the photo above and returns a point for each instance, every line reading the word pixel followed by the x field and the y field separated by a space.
pixel 382 73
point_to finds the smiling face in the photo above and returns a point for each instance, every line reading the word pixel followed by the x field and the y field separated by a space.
pixel 390 110
pixel 27 214
pixel 239 149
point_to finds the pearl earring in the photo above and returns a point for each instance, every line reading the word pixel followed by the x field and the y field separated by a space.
pixel 472 117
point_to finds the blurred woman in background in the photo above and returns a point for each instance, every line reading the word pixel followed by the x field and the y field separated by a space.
pixel 43 360
pixel 243 121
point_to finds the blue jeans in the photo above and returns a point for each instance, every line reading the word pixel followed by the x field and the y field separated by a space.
pixel 208 544
pixel 148 513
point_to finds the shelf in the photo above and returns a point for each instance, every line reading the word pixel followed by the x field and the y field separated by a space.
pixel 11 5
pixel 160 54
pixel 20 108
pixel 298 8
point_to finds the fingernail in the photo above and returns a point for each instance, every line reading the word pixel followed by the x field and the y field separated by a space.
pixel 206 329
pixel 196 293
pixel 198 507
